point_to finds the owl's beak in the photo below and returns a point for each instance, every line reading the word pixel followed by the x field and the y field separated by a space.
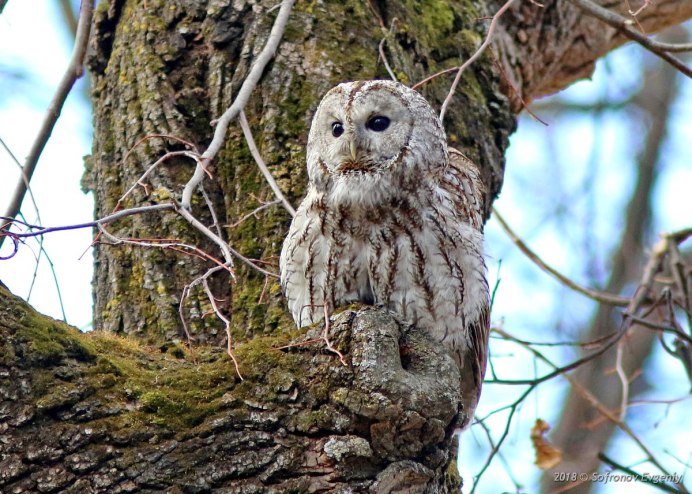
pixel 352 144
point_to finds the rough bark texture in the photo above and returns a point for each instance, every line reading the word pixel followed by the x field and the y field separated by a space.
pixel 127 408
pixel 88 413
pixel 545 49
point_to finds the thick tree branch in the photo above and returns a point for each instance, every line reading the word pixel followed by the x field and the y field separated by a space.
pixel 121 417
pixel 625 27
pixel 540 62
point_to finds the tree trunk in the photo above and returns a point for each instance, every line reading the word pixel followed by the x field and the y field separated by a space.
pixel 171 69
pixel 128 408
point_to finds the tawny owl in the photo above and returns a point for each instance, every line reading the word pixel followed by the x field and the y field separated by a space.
pixel 392 217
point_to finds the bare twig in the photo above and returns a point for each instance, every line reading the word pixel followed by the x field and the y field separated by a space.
pixel 383 57
pixel 241 100
pixel 41 249
pixel 225 248
pixel 625 27
pixel 262 165
pixel 624 380
pixel 254 213
pixel 212 210
pixel 516 92
pixel 605 298
pixel 653 267
pixel 227 326
pixel 673 47
pixel 325 337
pixel 74 71
pixel 635 13
pixel 254 266
pixel 69 16
pixel 558 370
pixel 495 450
pixel 152 167
pixel 380 49
pixel 603 410
pixel 422 83
pixel 474 57
pixel 28 186
pixel 40 230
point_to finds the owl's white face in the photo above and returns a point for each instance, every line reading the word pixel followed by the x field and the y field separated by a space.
pixel 363 129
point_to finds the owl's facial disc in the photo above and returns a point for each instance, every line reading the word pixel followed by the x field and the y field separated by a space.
pixel 364 131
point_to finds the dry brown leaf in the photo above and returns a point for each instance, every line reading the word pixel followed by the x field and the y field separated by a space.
pixel 547 455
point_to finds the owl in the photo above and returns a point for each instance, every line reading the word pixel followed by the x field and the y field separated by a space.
pixel 392 217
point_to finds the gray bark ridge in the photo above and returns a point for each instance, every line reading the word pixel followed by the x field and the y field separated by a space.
pixel 96 412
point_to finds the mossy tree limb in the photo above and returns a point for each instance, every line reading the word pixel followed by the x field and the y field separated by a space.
pixel 96 412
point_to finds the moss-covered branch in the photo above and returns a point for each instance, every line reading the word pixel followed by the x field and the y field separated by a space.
pixel 97 412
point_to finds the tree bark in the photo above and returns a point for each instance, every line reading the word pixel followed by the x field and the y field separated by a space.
pixel 98 413
pixel 127 408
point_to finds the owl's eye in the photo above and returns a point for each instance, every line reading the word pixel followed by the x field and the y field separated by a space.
pixel 378 123
pixel 337 129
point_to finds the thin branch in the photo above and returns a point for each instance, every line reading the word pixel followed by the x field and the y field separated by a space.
pixel 494 451
pixel 39 230
pixel 517 93
pixel 474 57
pixel 241 100
pixel 252 264
pixel 74 71
pixel 603 410
pixel 657 326
pixel 225 248
pixel 583 344
pixel 625 27
pixel 624 380
pixel 51 266
pixel 262 165
pixel 604 298
pixel 69 16
pixel 422 83
pixel 253 213
pixel 152 167
pixel 380 49
pixel 673 47
pixel 227 326
pixel 163 243
pixel 558 370
pixel 31 192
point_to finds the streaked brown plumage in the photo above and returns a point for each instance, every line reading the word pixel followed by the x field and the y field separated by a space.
pixel 392 217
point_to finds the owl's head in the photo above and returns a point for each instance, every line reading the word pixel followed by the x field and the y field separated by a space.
pixel 367 131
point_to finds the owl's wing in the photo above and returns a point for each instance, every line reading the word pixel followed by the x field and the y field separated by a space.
pixel 303 263
pixel 471 191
